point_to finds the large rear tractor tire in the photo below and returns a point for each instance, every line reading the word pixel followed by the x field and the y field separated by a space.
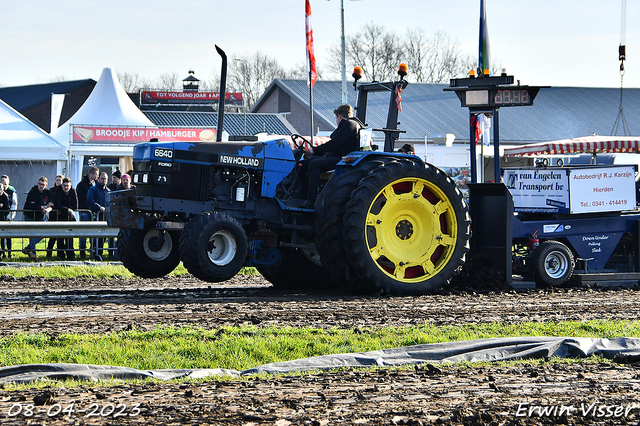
pixel 213 247
pixel 150 253
pixel 407 229
pixel 296 272
pixel 552 263
pixel 330 209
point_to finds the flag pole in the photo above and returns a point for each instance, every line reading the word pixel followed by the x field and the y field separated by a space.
pixel 311 62
pixel 484 58
pixel 311 105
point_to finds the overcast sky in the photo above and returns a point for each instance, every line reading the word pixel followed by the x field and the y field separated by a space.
pixel 542 42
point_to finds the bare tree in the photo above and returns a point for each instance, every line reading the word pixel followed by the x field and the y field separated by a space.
pixel 375 50
pixel 168 81
pixel 131 82
pixel 434 60
pixel 299 72
pixel 58 78
pixel 416 53
pixel 258 71
pixel 211 84
pixel 379 52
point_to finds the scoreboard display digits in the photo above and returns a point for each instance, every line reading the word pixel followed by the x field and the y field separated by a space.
pixel 506 97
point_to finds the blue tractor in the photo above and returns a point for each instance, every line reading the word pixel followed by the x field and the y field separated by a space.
pixel 382 221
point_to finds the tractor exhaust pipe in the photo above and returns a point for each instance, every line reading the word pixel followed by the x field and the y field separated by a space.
pixel 223 84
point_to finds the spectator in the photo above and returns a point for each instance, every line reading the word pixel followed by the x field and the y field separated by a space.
pixel 115 181
pixel 53 215
pixel 13 196
pixel 125 183
pixel 407 148
pixel 5 210
pixel 96 200
pixel 37 206
pixel 113 186
pixel 66 202
pixel 85 214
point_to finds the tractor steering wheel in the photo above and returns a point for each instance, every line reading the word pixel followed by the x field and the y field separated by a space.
pixel 299 141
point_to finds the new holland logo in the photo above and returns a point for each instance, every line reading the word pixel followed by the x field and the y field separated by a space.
pixel 240 161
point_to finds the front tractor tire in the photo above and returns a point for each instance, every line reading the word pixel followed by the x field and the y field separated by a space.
pixel 150 253
pixel 213 247
pixel 407 229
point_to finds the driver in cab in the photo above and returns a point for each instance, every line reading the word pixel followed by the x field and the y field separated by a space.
pixel 344 139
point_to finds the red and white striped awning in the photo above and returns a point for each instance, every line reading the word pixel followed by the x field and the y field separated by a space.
pixel 588 144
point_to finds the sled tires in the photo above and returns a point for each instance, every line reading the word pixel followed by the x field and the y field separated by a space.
pixel 147 255
pixel 296 272
pixel 552 263
pixel 213 247
pixel 407 229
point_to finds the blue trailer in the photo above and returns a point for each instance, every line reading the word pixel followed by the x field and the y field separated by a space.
pixel 576 221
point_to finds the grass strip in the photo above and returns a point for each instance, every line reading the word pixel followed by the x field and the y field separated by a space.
pixel 94 270
pixel 241 348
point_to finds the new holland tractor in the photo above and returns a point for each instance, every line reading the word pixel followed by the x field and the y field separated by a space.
pixel 382 221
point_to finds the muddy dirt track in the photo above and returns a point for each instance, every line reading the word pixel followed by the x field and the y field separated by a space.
pixel 526 394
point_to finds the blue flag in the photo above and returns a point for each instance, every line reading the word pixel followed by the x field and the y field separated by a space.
pixel 484 55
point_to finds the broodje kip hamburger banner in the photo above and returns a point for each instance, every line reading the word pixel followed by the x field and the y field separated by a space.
pixel 132 135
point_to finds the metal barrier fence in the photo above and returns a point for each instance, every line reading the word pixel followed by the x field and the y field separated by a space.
pixel 94 230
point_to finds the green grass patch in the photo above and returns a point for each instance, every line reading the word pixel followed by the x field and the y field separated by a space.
pixel 241 348
pixel 92 270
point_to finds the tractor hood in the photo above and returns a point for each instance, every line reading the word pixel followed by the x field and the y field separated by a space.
pixel 232 154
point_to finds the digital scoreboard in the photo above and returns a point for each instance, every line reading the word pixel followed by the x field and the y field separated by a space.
pixel 492 92
pixel 498 98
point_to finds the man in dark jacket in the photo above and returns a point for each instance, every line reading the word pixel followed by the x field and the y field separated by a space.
pixel 345 139
pixel 53 215
pixel 96 200
pixel 66 202
pixel 5 207
pixel 85 215
pixel 37 206
pixel 13 196
pixel 115 180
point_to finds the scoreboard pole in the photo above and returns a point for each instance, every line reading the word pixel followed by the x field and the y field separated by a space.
pixel 496 146
pixel 473 160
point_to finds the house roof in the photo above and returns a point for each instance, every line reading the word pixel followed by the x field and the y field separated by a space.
pixel 233 122
pixel 23 98
pixel 427 110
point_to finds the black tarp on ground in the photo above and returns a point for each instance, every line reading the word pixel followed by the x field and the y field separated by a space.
pixel 499 349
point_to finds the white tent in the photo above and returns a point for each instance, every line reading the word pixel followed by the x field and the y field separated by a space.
pixel 21 140
pixel 26 151
pixel 108 105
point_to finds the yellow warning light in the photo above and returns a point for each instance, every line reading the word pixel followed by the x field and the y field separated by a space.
pixel 357 73
pixel 486 73
pixel 402 70
pixel 472 73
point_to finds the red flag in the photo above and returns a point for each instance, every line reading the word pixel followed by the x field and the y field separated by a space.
pixel 311 57
pixel 399 96
pixel 475 123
